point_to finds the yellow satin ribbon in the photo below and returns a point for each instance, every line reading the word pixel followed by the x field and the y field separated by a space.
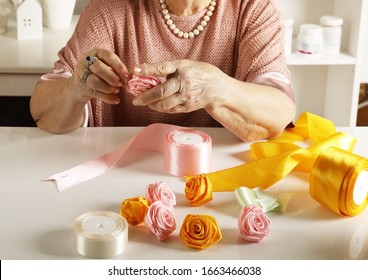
pixel 276 159
pixel 333 181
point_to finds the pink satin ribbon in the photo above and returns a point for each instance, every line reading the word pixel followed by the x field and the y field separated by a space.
pixel 151 138
pixel 187 152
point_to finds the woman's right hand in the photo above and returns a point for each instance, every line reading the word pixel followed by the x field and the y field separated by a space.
pixel 102 78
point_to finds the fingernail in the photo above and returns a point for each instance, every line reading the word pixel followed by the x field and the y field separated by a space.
pixel 135 102
pixel 137 69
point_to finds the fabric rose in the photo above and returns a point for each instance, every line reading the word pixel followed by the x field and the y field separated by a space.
pixel 198 189
pixel 253 223
pixel 159 191
pixel 138 84
pixel 160 221
pixel 200 231
pixel 134 210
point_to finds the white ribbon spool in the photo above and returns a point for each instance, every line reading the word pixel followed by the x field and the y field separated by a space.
pixel 100 234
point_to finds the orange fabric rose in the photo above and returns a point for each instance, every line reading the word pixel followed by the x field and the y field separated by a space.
pixel 200 231
pixel 134 210
pixel 198 189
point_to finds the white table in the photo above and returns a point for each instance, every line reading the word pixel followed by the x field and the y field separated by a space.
pixel 36 220
pixel 28 60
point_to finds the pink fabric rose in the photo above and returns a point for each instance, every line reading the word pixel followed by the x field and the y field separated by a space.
pixel 159 191
pixel 138 84
pixel 160 221
pixel 253 223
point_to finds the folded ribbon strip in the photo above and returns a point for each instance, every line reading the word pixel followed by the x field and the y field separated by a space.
pixel 256 196
pixel 276 159
pixel 155 134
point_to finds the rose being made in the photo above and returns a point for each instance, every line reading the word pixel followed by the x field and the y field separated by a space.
pixel 200 231
pixel 160 191
pixel 253 223
pixel 198 189
pixel 134 210
pixel 138 84
pixel 160 221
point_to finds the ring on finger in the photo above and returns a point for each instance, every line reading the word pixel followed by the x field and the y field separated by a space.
pixel 85 76
pixel 89 60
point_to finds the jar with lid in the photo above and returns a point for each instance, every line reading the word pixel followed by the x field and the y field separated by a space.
pixel 288 27
pixel 331 28
pixel 310 39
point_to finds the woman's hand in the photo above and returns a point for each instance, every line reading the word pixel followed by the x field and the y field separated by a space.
pixel 190 86
pixel 250 111
pixel 59 105
pixel 99 73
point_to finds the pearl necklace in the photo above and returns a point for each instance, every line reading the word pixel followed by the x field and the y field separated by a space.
pixel 196 31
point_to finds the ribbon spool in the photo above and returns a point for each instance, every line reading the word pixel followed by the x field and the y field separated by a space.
pixel 339 181
pixel 187 152
pixel 100 234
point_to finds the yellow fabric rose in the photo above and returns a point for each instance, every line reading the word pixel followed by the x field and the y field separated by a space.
pixel 134 210
pixel 200 231
pixel 198 189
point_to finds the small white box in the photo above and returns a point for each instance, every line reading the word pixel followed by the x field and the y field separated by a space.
pixel 29 20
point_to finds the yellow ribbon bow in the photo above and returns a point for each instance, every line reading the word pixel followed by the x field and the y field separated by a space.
pixel 277 158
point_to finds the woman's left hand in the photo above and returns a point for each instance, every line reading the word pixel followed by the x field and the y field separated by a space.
pixel 190 86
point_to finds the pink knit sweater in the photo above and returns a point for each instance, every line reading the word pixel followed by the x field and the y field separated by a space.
pixel 244 38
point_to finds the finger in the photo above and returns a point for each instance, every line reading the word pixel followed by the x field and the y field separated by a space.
pixel 105 72
pixel 95 82
pixel 171 104
pixel 107 98
pixel 159 92
pixel 157 69
pixel 113 61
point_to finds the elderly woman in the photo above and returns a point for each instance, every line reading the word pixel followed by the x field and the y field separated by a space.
pixel 220 63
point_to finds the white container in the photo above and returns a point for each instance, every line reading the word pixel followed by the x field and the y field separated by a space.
pixel 310 39
pixel 57 13
pixel 288 25
pixel 331 27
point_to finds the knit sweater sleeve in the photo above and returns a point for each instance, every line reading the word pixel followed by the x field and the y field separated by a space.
pixel 93 30
pixel 261 42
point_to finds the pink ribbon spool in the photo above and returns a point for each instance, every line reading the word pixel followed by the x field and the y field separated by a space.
pixel 187 152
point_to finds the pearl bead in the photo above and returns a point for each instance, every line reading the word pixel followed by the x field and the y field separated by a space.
pixel 196 31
